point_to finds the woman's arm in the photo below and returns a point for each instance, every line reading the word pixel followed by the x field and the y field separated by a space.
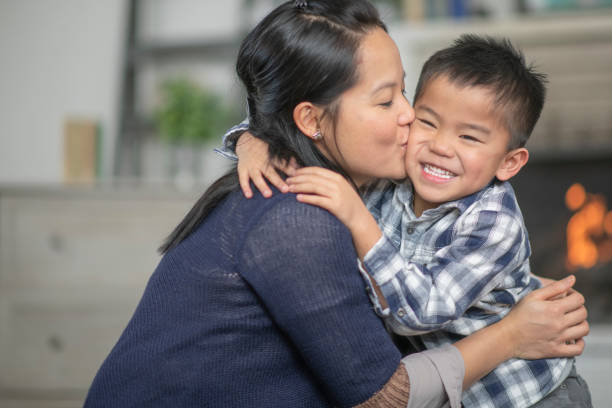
pixel 542 325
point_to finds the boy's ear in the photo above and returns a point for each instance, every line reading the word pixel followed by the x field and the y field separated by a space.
pixel 512 163
pixel 307 118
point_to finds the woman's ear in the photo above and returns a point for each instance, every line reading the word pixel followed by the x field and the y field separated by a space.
pixel 512 163
pixel 307 118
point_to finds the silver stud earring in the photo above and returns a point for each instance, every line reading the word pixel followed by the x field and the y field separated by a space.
pixel 317 136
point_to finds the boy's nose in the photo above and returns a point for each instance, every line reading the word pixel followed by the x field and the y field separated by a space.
pixel 440 145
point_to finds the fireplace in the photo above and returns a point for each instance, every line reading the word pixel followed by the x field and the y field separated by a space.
pixel 567 209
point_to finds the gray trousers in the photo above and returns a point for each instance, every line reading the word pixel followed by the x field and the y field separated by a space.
pixel 572 393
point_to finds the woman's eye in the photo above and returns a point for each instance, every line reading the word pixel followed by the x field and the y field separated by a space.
pixel 386 104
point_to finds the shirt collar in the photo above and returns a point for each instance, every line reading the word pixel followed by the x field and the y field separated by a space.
pixel 404 194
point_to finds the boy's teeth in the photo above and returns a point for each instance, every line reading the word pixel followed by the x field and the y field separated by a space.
pixel 438 172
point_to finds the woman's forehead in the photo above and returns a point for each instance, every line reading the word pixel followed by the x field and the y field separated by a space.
pixel 379 61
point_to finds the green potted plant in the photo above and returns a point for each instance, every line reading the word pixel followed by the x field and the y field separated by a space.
pixel 188 119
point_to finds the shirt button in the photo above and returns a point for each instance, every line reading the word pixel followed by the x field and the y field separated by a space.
pixel 410 230
pixel 401 312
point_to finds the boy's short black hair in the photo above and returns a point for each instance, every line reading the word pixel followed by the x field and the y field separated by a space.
pixel 475 60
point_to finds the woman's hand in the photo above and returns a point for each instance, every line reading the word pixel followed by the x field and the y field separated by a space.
pixel 543 280
pixel 549 322
pixel 331 191
pixel 255 165
pixel 545 324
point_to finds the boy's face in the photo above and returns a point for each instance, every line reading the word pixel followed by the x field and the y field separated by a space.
pixel 457 143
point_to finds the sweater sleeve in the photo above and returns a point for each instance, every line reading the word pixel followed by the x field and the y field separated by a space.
pixel 300 261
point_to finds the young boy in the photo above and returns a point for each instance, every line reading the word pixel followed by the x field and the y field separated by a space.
pixel 450 251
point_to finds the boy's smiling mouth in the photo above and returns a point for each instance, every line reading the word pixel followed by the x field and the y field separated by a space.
pixel 437 173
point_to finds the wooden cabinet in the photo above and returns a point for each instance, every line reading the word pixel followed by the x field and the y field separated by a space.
pixel 73 265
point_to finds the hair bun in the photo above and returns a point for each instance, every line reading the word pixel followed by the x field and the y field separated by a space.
pixel 301 4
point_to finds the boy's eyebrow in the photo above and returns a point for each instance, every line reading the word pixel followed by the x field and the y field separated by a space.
pixel 478 128
pixel 428 110
pixel 388 84
pixel 473 126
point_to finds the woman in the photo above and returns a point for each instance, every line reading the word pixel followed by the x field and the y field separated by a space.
pixel 259 302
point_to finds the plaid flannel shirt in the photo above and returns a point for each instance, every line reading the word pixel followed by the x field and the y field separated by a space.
pixel 456 269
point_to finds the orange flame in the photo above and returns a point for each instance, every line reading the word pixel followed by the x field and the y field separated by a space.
pixel 575 197
pixel 589 231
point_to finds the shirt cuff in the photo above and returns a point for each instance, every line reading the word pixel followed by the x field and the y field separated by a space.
pixel 225 152
pixel 377 259
pixel 436 377
pixel 372 293
pixel 230 138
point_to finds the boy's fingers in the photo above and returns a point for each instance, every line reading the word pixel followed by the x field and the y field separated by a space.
pixel 555 289
pixel 317 171
pixel 313 200
pixel 283 165
pixel 243 179
pixel 293 163
pixel 262 186
pixel 276 180
pixel 309 188
pixel 305 178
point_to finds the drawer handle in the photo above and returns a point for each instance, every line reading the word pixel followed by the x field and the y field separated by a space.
pixel 56 243
pixel 55 344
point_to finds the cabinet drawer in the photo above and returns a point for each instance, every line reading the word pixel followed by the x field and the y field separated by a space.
pixel 53 345
pixel 59 243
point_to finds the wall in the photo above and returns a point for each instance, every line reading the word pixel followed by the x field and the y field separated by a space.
pixel 59 59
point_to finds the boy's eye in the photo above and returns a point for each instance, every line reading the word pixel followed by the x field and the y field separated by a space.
pixel 387 104
pixel 426 122
pixel 470 138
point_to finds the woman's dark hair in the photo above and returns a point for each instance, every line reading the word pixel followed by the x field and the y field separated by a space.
pixel 301 51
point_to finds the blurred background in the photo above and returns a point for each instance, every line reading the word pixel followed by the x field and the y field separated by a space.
pixel 109 111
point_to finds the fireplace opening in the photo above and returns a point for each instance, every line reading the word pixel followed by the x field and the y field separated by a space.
pixel 566 206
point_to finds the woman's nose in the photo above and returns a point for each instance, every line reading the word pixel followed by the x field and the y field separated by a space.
pixel 407 115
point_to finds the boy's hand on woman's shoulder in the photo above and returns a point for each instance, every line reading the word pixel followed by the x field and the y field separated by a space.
pixel 254 164
pixel 331 191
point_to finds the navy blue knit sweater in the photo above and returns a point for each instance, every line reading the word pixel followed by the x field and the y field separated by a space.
pixel 262 306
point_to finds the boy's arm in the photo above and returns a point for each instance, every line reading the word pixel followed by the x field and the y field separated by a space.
pixel 254 165
pixel 487 246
